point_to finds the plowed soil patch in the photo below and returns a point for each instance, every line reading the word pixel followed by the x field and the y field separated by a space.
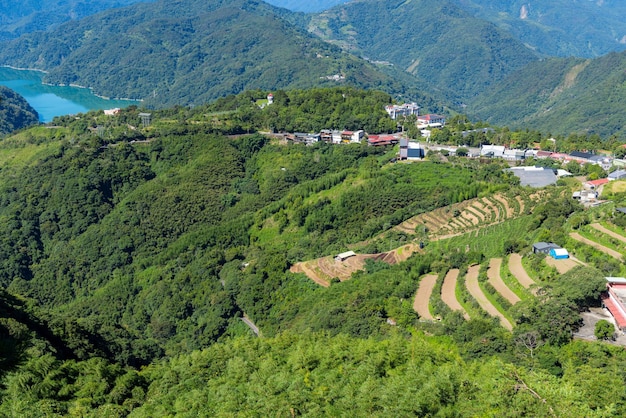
pixel 562 266
pixel 448 292
pixel 493 273
pixel 422 297
pixel 471 281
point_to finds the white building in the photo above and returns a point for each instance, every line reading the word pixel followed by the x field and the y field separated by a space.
pixel 405 109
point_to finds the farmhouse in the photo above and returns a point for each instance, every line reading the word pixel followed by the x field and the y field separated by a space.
pixel 594 184
pixel 493 151
pixel 615 300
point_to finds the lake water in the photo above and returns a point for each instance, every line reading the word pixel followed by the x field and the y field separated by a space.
pixel 51 101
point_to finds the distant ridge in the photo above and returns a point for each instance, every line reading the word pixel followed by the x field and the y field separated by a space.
pixel 190 52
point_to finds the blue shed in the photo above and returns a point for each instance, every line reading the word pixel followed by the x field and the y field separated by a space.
pixel 559 253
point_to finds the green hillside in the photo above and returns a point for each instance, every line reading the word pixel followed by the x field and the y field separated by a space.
pixel 559 27
pixel 131 254
pixel 571 95
pixel 15 112
pixel 191 52
pixel 441 44
pixel 37 15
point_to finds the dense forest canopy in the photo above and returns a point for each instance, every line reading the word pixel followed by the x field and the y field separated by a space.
pixel 15 112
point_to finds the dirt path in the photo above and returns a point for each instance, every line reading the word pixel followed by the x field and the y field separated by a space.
pixel 493 273
pixel 594 244
pixel 448 294
pixel 471 281
pixel 517 270
pixel 608 232
pixel 422 297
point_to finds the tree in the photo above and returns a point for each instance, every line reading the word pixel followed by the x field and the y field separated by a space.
pixel 604 330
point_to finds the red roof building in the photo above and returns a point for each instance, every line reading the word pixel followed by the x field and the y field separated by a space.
pixel 615 300
pixel 594 184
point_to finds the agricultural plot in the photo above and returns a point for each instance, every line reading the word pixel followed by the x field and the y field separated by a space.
pixel 615 254
pixel 608 232
pixel 471 281
pixel 562 266
pixel 448 292
pixel 422 296
pixel 517 270
pixel 323 270
pixel 493 273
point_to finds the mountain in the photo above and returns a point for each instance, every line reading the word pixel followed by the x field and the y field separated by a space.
pixel 313 6
pixel 558 27
pixel 437 42
pixel 561 96
pixel 15 112
pixel 41 15
pixel 190 52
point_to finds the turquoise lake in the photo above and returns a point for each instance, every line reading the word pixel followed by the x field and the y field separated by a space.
pixel 51 101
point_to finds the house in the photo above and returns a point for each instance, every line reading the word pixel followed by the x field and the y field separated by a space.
pixel 431 120
pixel 303 138
pixel 513 155
pixel 344 256
pixel 615 300
pixel 352 137
pixel 112 112
pixel 544 247
pixel 493 151
pixel 534 176
pixel 594 184
pixel 559 253
pixel 617 175
pixel 404 109
pixel 381 140
pixel 414 151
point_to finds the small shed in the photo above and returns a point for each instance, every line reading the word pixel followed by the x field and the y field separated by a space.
pixel 617 175
pixel 559 253
pixel 344 256
pixel 544 247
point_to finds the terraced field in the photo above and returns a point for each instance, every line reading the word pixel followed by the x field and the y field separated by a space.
pixel 517 270
pixel 422 296
pixel 477 293
pixel 464 217
pixel 448 292
pixel 493 273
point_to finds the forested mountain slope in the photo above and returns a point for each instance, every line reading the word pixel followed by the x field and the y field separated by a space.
pixel 129 255
pixel 558 27
pixel 560 96
pixel 436 41
pixel 189 52
pixel 15 112
pixel 37 15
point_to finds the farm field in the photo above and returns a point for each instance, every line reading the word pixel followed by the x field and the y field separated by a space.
pixel 473 287
pixel 615 254
pixel 493 273
pixel 517 270
pixel 422 296
pixel 448 292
